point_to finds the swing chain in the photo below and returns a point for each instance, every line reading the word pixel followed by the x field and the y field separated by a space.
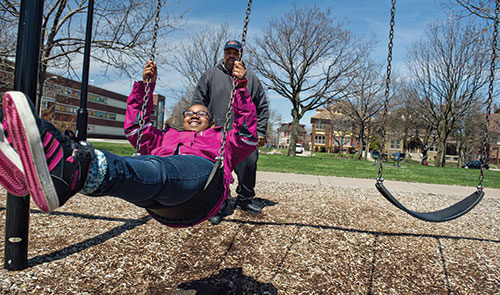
pixel 233 90
pixel 228 120
pixel 155 30
pixel 142 120
pixel 147 89
pixel 245 28
pixel 387 83
pixel 484 156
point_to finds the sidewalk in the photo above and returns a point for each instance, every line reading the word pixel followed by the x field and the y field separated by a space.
pixel 370 183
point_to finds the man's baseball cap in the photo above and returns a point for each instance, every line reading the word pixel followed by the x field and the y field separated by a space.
pixel 233 44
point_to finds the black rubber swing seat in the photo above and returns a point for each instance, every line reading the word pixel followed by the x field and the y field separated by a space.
pixel 198 207
pixel 454 211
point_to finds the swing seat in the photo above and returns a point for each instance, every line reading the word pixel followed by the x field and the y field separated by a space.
pixel 446 214
pixel 197 209
pixel 465 205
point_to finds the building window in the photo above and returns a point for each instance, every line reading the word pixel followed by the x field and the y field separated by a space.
pixel 321 125
pixel 319 139
pixel 433 147
pixel 395 144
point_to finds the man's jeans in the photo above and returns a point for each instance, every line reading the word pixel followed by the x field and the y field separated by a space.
pixel 148 181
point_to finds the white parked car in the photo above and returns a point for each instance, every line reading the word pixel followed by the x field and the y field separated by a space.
pixel 299 149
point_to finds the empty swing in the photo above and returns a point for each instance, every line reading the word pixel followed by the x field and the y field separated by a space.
pixel 460 208
pixel 203 203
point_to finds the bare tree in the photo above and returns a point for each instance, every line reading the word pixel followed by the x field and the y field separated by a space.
pixel 6 75
pixel 428 138
pixel 191 58
pixel 484 9
pixel 175 114
pixel 469 133
pixel 364 101
pixel 121 34
pixel 273 124
pixel 200 51
pixel 450 72
pixel 406 120
pixel 7 44
pixel 307 58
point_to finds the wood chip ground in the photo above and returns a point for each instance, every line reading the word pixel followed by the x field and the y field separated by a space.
pixel 308 240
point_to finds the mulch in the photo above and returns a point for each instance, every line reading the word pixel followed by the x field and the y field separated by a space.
pixel 308 240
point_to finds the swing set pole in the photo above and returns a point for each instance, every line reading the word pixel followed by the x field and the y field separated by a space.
pixel 82 116
pixel 25 80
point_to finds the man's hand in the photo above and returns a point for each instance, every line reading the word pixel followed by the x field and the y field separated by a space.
pixel 149 72
pixel 262 140
pixel 239 70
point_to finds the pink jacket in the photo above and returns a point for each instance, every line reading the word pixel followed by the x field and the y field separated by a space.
pixel 241 140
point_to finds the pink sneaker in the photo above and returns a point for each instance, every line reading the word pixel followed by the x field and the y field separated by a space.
pixel 12 176
pixel 55 165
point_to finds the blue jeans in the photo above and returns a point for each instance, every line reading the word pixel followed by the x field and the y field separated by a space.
pixel 154 181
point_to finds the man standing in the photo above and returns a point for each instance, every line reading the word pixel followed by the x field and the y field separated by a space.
pixel 214 91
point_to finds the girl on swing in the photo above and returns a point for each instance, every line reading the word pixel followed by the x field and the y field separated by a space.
pixel 175 167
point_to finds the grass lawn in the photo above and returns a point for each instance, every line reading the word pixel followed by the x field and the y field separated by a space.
pixel 411 171
pixel 329 165
pixel 116 148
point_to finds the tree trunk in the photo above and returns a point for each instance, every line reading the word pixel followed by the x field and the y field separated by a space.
pixel 441 153
pixel 293 135
pixel 366 150
pixel 39 91
pixel 424 157
pixel 369 136
pixel 361 141
pixel 405 140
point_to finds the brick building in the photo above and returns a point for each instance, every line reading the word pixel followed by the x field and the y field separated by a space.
pixel 106 109
pixel 285 131
pixel 329 133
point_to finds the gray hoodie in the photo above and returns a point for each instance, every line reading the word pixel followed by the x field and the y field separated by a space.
pixel 214 91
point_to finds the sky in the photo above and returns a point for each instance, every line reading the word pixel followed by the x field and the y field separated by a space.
pixel 366 18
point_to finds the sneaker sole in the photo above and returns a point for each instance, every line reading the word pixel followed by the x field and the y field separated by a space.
pixel 27 142
pixel 11 169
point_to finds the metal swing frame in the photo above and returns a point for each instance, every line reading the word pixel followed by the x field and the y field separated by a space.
pixel 25 80
pixel 465 205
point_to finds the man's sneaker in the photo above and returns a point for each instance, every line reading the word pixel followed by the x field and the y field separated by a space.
pixel 249 206
pixel 55 165
pixel 11 169
pixel 216 219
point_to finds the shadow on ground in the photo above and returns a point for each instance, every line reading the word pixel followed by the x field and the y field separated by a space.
pixel 227 281
pixel 264 202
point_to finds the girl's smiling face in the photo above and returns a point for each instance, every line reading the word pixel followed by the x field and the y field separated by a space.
pixel 196 118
